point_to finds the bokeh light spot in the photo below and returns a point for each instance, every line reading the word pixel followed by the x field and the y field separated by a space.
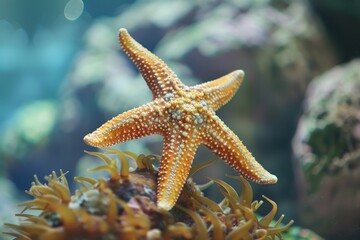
pixel 73 9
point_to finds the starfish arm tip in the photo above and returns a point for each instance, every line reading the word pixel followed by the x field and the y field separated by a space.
pixel 123 33
pixel 164 205
pixel 87 139
pixel 122 30
pixel 270 179
pixel 90 140
pixel 239 73
pixel 273 179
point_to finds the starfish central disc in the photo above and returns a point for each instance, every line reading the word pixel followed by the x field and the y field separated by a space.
pixel 185 117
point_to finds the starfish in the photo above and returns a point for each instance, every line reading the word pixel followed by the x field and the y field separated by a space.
pixel 185 118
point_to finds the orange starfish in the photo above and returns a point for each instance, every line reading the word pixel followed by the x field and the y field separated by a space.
pixel 185 117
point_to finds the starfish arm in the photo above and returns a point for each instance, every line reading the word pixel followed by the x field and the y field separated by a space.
pixel 135 123
pixel 219 91
pixel 224 143
pixel 177 156
pixel 158 76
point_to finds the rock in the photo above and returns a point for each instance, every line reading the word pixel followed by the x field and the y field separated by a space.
pixel 327 150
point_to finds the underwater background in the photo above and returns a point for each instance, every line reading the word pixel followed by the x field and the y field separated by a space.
pixel 63 74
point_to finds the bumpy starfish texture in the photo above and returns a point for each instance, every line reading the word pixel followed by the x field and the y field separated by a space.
pixel 185 117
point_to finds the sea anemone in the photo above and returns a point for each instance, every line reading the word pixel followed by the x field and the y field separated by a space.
pixel 124 207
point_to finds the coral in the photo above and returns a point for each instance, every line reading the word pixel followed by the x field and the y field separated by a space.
pixel 124 207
